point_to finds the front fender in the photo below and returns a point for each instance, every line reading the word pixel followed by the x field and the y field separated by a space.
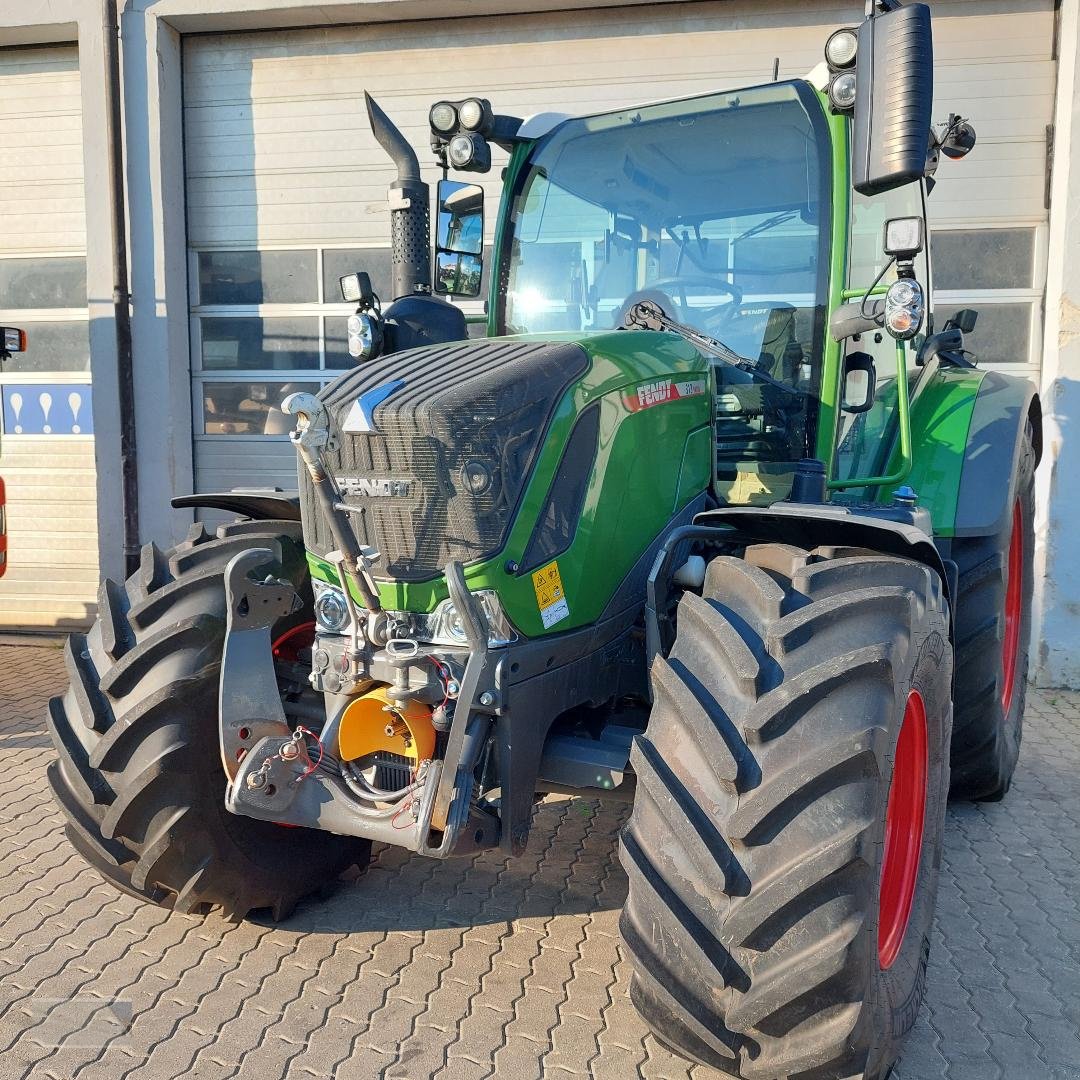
pixel 967 428
pixel 999 418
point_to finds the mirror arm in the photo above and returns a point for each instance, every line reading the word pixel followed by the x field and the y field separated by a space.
pixel 849 319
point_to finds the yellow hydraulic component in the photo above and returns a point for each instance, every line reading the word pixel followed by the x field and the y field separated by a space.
pixel 374 722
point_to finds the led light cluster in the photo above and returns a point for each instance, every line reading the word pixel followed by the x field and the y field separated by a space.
pixel 905 307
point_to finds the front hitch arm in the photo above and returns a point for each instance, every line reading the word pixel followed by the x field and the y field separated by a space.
pixel 249 704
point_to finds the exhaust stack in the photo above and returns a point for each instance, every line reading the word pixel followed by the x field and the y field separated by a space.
pixel 410 218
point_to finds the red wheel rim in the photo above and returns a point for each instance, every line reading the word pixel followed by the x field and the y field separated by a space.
pixel 1014 603
pixel 905 819
pixel 293 642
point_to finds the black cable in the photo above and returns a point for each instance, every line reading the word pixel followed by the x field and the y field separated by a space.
pixel 877 281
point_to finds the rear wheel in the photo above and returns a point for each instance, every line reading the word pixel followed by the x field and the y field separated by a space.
pixel 784 844
pixel 993 623
pixel 138 771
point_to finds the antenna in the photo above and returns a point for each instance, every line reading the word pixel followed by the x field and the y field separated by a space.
pixel 776 69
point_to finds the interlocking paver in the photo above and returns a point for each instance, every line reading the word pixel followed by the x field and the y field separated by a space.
pixel 486 967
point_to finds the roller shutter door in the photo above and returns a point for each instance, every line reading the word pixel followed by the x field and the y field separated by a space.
pixel 286 188
pixel 47 444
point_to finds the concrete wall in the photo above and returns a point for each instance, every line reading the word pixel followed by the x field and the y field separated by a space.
pixel 1056 618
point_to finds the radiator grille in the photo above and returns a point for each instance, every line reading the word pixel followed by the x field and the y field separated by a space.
pixel 456 442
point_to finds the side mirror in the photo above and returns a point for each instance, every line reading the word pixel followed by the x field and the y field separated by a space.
pixel 964 320
pixel 860 383
pixel 459 239
pixel 458 275
pixel 894 98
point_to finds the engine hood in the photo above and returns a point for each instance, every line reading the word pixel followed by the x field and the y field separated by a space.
pixel 431 448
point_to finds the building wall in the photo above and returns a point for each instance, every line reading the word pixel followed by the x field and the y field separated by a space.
pixel 153 36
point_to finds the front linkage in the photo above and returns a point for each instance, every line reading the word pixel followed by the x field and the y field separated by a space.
pixel 274 775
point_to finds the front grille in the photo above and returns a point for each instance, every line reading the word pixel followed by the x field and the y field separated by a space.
pixel 452 447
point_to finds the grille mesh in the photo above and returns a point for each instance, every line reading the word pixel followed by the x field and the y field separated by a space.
pixel 462 433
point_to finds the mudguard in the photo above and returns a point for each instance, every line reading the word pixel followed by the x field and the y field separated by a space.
pixel 966 432
pixel 999 417
pixel 262 504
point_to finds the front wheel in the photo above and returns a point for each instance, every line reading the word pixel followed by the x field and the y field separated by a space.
pixel 784 844
pixel 138 771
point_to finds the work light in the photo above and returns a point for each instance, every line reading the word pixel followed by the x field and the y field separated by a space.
pixel 469 151
pixel 842 91
pixel 841 48
pixel 443 117
pixel 471 113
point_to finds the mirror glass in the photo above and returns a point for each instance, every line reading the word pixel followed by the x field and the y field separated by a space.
pixel 460 228
pixel 458 274
pixel 859 386
pixel 856 390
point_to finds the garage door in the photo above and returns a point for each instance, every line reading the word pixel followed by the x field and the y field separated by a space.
pixel 286 188
pixel 46 444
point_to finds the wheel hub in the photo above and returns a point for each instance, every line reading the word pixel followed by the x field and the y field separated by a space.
pixel 905 820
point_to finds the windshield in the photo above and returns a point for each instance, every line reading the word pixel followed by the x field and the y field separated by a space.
pixel 718 209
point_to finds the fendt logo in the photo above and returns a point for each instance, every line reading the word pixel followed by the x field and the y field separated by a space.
pixel 361 418
pixel 372 487
pixel 660 391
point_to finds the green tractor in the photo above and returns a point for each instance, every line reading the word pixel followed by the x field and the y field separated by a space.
pixel 715 519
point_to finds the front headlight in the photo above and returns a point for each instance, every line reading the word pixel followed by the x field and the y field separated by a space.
pixel 331 609
pixel 444 626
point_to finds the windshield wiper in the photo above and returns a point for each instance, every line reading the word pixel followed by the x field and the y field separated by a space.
pixel 648 315
pixel 764 226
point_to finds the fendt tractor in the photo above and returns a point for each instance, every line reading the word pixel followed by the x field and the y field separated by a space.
pixel 716 519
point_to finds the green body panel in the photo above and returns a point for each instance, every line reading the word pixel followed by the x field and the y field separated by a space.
pixel 650 463
pixel 940 424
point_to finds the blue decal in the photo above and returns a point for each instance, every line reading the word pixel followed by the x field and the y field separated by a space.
pixel 47 409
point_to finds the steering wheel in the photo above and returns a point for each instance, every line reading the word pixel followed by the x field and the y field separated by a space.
pixel 677 286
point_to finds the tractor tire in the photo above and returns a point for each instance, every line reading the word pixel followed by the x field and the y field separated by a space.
pixel 138 771
pixel 993 625
pixel 785 839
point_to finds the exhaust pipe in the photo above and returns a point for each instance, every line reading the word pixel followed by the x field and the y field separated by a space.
pixel 410 218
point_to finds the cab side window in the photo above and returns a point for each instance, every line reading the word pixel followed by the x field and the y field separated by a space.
pixel 868 217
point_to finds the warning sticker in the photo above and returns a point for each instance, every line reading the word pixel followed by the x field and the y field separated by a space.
pixel 549 595
pixel 661 391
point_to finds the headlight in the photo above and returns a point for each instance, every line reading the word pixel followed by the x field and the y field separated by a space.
pixel 331 610
pixel 841 48
pixel 444 626
pixel 365 336
pixel 842 91
pixel 443 117
pixel 904 309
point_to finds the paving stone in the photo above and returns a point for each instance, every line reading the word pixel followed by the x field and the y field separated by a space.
pixel 485 967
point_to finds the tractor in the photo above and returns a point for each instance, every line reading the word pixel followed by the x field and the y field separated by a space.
pixel 713 517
